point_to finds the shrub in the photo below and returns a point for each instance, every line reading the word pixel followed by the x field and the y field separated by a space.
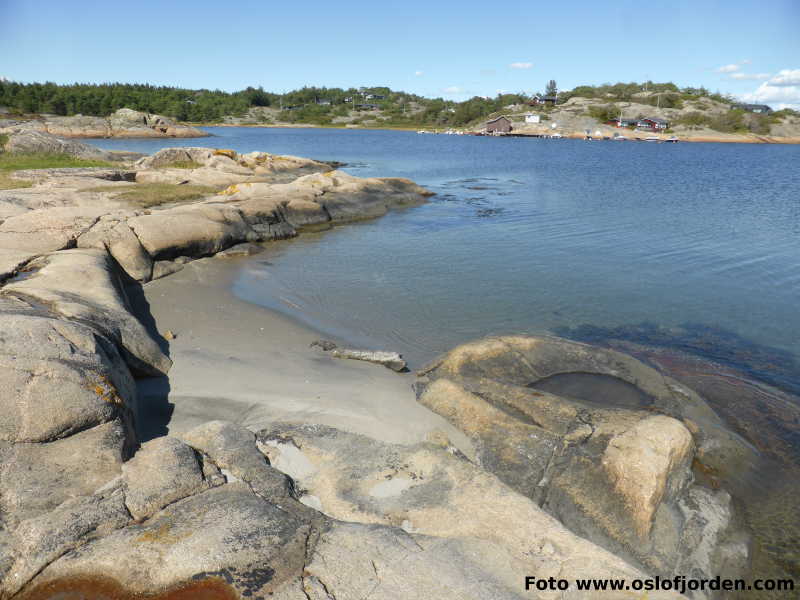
pixel 603 113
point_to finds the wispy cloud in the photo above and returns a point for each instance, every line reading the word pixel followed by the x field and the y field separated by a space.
pixel 453 89
pixel 419 73
pixel 746 61
pixel 728 68
pixel 521 65
pixel 751 76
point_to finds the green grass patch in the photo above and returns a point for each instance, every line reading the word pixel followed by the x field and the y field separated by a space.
pixel 147 195
pixel 17 162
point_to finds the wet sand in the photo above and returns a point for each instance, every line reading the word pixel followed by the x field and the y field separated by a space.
pixel 247 364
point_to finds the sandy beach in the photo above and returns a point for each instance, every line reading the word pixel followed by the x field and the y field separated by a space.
pixel 244 363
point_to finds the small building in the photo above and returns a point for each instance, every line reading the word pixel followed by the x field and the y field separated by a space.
pixel 323 102
pixel 374 97
pixel 543 100
pixel 348 99
pixel 367 107
pixel 499 125
pixel 652 124
pixel 761 109
pixel 531 118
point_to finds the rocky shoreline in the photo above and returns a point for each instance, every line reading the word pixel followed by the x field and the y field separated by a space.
pixel 541 457
pixel 124 123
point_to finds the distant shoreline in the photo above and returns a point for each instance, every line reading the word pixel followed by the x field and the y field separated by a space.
pixel 721 139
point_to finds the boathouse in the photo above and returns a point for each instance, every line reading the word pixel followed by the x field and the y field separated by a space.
pixel 498 125
pixel 652 124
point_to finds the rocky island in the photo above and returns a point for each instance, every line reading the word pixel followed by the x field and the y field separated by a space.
pixel 287 473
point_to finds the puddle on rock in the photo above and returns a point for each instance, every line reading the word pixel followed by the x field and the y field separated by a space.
pixel 596 389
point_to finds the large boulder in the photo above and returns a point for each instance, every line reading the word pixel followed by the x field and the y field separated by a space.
pixel 573 427
pixel 196 230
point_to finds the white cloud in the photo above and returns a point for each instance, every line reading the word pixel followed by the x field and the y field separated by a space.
pixel 786 77
pixel 728 68
pixel 753 76
pixel 453 89
pixel 780 95
pixel 521 65
pixel 419 73
pixel 746 61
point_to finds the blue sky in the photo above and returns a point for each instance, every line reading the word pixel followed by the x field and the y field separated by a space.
pixel 449 49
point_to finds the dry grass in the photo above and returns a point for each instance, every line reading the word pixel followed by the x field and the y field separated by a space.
pixel 147 195
pixel 183 164
pixel 7 183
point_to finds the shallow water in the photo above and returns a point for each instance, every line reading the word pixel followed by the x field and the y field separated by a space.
pixel 529 235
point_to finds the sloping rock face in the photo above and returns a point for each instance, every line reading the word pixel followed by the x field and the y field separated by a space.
pixel 23 140
pixel 600 441
pixel 123 123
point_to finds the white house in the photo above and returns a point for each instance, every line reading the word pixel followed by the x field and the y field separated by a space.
pixel 529 118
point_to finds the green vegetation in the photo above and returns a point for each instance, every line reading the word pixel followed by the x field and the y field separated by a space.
pixel 147 195
pixel 324 106
pixel 9 163
pixel 603 113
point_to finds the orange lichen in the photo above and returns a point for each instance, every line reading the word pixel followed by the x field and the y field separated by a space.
pixel 224 152
pixel 102 588
pixel 105 390
pixel 161 535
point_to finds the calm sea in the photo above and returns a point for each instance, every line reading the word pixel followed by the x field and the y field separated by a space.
pixel 697 242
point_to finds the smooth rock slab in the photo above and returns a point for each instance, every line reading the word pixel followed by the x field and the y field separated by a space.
pixel 226 532
pixel 36 478
pixel 48 229
pixel 58 378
